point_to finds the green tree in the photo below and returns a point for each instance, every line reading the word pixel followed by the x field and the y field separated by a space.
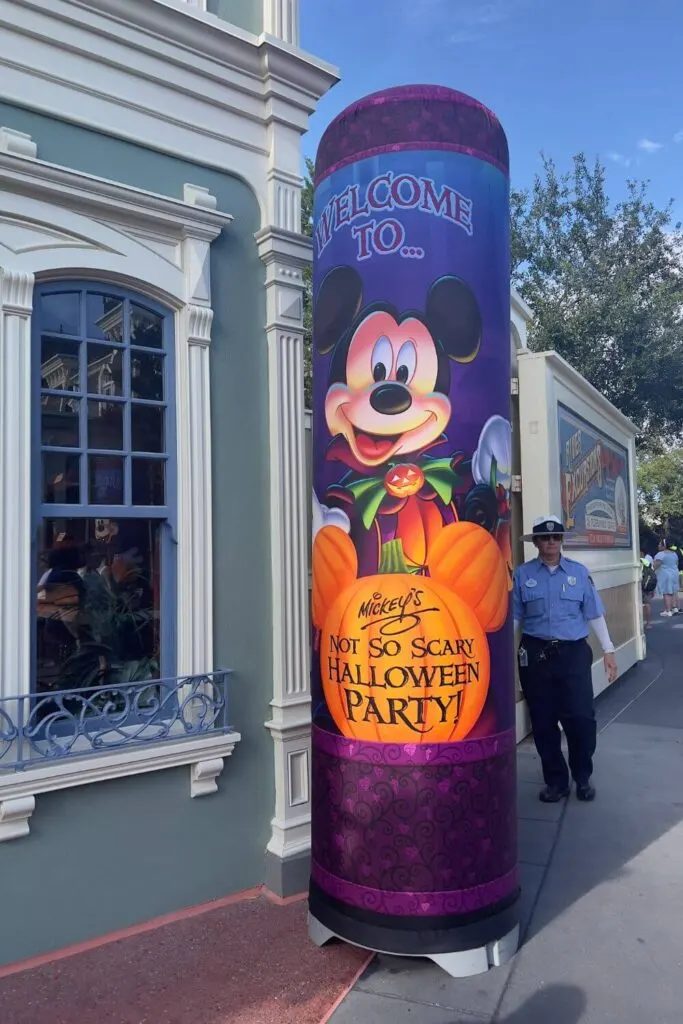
pixel 660 492
pixel 605 284
pixel 307 229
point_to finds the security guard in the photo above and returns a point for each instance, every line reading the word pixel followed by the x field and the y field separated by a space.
pixel 554 599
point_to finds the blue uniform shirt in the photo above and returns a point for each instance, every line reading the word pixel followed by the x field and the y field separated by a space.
pixel 555 605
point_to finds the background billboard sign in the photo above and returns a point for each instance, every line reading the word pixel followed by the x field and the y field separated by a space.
pixel 595 485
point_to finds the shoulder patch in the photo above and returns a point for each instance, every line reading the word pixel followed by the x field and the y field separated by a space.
pixel 531 583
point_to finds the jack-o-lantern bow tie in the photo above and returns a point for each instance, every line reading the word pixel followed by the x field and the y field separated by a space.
pixel 403 480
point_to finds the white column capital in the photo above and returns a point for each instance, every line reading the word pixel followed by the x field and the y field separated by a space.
pixel 16 291
pixel 277 246
pixel 199 320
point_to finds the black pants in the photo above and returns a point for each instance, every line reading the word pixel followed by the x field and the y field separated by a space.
pixel 558 687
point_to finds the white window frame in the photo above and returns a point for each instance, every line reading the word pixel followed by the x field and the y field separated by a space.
pixel 56 223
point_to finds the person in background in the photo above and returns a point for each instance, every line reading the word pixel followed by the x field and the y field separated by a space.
pixel 648 585
pixel 666 568
pixel 679 552
pixel 554 601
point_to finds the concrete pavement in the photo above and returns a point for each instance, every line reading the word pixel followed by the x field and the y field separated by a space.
pixel 602 903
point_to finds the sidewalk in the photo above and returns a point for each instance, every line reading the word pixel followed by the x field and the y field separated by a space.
pixel 602 902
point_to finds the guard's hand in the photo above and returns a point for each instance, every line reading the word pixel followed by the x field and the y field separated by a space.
pixel 610 667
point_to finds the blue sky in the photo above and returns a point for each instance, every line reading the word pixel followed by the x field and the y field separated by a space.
pixel 602 76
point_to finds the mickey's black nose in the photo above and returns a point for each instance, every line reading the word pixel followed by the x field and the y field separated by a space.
pixel 390 399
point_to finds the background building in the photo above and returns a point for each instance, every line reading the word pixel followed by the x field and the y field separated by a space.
pixel 154 633
pixel 151 434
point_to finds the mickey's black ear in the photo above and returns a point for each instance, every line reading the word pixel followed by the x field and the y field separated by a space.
pixel 454 319
pixel 336 305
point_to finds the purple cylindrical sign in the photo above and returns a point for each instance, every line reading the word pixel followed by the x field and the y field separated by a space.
pixel 414 820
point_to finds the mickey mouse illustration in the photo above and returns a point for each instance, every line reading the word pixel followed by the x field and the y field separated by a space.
pixel 387 406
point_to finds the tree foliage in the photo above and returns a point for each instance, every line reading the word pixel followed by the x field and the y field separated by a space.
pixel 605 286
pixel 660 492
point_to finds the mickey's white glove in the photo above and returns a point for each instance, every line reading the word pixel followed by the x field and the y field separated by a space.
pixel 492 461
pixel 324 516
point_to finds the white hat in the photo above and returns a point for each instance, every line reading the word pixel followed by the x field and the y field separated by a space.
pixel 544 526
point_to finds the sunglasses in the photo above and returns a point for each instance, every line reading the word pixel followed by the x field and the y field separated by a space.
pixel 551 536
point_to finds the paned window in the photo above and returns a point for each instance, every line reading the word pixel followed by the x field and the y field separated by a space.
pixel 104 488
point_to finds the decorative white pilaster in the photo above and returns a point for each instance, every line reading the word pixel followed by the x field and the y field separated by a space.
pixel 195 546
pixel 285 254
pixel 16 604
pixel 281 19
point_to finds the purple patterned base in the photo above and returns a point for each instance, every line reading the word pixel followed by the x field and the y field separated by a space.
pixel 416 904
pixel 416 829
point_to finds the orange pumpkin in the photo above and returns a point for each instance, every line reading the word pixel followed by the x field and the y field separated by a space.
pixel 466 559
pixel 403 660
pixel 335 567
pixel 419 523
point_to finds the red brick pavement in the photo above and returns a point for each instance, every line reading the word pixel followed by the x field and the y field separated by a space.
pixel 250 962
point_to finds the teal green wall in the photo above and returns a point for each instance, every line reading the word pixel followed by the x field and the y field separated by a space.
pixel 246 14
pixel 106 856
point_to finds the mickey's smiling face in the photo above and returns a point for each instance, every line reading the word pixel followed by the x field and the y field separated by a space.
pixel 390 374
pixel 388 405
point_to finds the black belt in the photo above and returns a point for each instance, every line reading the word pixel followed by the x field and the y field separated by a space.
pixel 540 641
pixel 545 650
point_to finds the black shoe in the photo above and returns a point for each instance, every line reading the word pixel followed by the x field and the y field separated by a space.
pixel 553 794
pixel 585 792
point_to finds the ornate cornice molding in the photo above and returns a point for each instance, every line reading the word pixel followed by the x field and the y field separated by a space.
pixel 101 199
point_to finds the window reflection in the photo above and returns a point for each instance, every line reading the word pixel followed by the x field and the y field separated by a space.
pixel 59 364
pixel 148 481
pixel 60 422
pixel 147 428
pixel 61 478
pixel 105 480
pixel 147 376
pixel 60 313
pixel 104 317
pixel 98 603
pixel 146 327
pixel 105 425
pixel 105 370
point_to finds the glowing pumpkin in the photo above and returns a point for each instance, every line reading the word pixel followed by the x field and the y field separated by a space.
pixel 403 660
pixel 466 559
pixel 335 567
pixel 403 481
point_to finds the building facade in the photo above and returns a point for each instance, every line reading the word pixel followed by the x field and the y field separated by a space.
pixel 154 704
